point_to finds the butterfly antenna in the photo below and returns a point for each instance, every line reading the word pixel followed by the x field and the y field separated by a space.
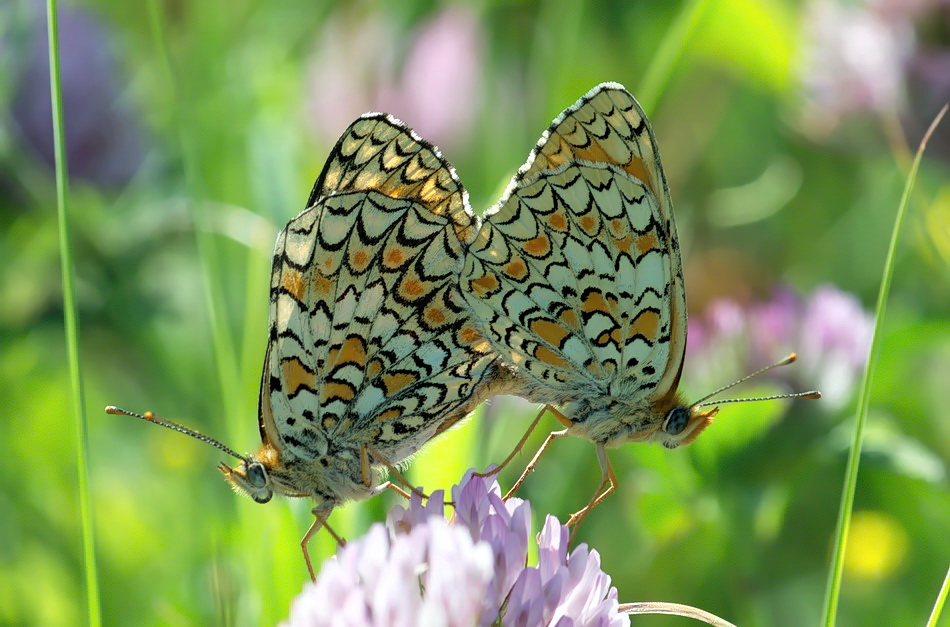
pixel 782 362
pixel 174 426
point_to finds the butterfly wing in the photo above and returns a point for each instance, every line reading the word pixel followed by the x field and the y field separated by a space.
pixel 369 343
pixel 575 275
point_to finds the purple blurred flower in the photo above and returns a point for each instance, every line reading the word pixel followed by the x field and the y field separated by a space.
pixel 434 87
pixel 422 569
pixel 870 56
pixel 104 139
pixel 829 331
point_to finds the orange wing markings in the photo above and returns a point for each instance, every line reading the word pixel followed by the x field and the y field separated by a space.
pixel 593 300
pixel 485 285
pixel 595 369
pixel 374 368
pixel 334 390
pixel 296 375
pixel 435 316
pixel 294 282
pixel 551 332
pixel 394 257
pixel 394 382
pixel 609 337
pixel 648 242
pixel 469 337
pixel 558 222
pixel 321 286
pixel 517 270
pixel 646 324
pixel 389 415
pixel 359 259
pixel 589 224
pixel 638 169
pixel 411 287
pixel 549 357
pixel 352 351
pixel 568 317
pixel 539 246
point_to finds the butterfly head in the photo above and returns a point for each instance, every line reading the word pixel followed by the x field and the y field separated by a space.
pixel 251 478
pixel 683 424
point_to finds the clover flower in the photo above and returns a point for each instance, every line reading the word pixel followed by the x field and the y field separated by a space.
pixel 420 568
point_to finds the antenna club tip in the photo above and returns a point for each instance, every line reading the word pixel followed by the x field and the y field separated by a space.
pixel 814 394
pixel 791 358
pixel 112 409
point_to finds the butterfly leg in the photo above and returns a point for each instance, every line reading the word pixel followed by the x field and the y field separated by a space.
pixel 606 487
pixel 320 515
pixel 534 461
pixel 368 477
pixel 534 423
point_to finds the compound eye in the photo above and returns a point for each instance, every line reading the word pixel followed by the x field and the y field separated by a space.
pixel 256 475
pixel 676 420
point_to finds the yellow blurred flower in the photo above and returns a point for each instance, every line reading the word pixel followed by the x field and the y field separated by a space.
pixel 877 545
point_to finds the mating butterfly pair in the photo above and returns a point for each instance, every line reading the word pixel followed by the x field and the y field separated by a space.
pixel 394 311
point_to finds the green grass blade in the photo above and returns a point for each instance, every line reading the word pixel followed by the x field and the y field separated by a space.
pixel 224 350
pixel 661 68
pixel 71 322
pixel 941 599
pixel 833 588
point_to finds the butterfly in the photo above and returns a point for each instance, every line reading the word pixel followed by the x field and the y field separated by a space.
pixel 575 279
pixel 370 350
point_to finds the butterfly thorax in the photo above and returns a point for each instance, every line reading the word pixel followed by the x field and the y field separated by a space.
pixel 613 421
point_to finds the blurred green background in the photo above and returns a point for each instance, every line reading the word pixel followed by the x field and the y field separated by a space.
pixel 195 130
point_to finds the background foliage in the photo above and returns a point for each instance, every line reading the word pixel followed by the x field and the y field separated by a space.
pixel 194 132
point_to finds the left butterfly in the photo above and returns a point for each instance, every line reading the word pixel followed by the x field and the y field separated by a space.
pixel 369 353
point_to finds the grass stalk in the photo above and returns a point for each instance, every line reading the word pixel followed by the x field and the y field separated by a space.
pixel 71 323
pixel 667 55
pixel 938 604
pixel 833 587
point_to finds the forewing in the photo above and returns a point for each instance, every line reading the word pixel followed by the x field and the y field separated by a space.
pixel 369 343
pixel 575 276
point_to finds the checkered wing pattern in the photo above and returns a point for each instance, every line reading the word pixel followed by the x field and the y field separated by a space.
pixel 575 275
pixel 369 343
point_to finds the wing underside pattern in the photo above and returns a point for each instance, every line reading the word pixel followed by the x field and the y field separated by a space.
pixel 369 339
pixel 575 276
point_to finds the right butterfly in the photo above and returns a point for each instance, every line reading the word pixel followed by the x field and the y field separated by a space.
pixel 576 281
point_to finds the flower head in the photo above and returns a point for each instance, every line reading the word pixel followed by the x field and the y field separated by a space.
pixel 420 568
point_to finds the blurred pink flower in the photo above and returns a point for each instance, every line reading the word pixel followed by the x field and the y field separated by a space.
pixel 470 570
pixel 434 87
pixel 869 57
pixel 852 62
pixel 830 332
